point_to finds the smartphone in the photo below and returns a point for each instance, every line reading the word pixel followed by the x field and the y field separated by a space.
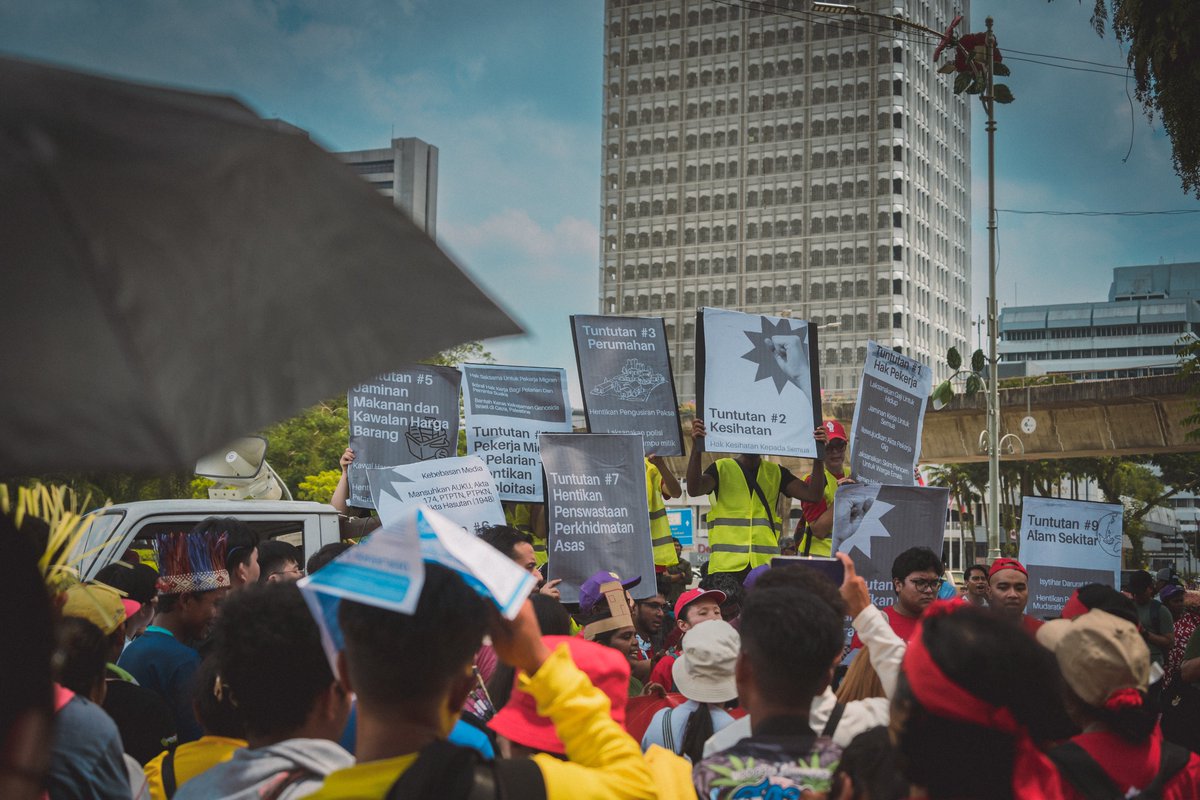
pixel 829 567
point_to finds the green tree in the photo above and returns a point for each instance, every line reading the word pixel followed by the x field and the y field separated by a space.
pixel 1189 368
pixel 319 487
pixel 1163 37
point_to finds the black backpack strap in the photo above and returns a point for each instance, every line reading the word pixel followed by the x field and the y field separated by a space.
pixel 1172 760
pixel 518 779
pixel 449 772
pixel 835 717
pixel 168 774
pixel 1081 771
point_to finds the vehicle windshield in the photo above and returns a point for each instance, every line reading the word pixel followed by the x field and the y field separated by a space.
pixel 97 546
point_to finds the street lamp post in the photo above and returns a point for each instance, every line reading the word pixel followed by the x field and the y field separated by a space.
pixel 988 97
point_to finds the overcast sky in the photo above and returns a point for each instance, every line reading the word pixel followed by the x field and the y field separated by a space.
pixel 510 94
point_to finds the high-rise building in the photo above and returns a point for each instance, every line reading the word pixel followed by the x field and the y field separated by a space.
pixel 407 172
pixel 761 157
pixel 1133 334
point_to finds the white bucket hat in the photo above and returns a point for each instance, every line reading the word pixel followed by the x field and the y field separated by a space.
pixel 704 671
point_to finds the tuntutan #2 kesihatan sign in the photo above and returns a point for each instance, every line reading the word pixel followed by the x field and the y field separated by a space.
pixel 758 387
pixel 625 375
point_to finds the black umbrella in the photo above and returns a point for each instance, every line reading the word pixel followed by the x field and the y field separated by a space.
pixel 176 271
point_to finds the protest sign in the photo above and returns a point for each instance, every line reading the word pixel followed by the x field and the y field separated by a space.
pixel 461 489
pixel 387 570
pixel 625 375
pixel 506 408
pixel 765 399
pixel 401 417
pixel 597 516
pixel 873 524
pixel 1066 544
pixel 886 434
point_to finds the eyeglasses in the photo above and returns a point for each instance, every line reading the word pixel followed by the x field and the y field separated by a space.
pixel 923 585
pixel 835 446
pixel 292 572
pixel 654 606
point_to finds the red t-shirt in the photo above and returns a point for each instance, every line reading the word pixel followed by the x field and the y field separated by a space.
pixel 661 674
pixel 1135 765
pixel 904 626
pixel 1031 624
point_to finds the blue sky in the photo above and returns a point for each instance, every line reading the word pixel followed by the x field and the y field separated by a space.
pixel 510 94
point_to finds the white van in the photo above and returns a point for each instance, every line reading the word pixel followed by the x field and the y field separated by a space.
pixel 114 529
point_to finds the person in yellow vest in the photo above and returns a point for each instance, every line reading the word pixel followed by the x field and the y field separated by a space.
pixel 661 485
pixel 529 518
pixel 815 528
pixel 744 525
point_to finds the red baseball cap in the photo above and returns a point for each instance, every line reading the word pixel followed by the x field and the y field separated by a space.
pixel 834 430
pixel 692 595
pixel 1007 563
pixel 608 670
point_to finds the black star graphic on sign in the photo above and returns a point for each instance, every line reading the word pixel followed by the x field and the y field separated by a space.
pixel 779 341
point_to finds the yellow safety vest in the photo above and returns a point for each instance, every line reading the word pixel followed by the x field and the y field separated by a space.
pixel 822 547
pixel 741 533
pixel 521 518
pixel 660 529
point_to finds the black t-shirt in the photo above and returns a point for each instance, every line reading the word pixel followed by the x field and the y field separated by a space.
pixel 750 474
pixel 143 718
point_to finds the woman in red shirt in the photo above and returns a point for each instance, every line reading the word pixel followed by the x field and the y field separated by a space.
pixel 1105 665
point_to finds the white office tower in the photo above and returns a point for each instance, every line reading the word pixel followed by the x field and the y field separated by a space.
pixel 770 159
pixel 407 172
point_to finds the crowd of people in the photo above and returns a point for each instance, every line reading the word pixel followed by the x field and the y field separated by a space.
pixel 208 676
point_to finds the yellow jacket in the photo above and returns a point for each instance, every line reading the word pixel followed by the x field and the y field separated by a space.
pixel 605 761
pixel 190 760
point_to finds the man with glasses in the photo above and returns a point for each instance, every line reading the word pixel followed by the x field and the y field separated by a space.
pixel 279 561
pixel 1008 587
pixel 976 578
pixel 648 617
pixel 815 529
pixel 916 578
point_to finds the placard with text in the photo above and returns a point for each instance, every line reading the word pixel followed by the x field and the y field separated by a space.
pixel 401 417
pixel 506 408
pixel 758 385
pixel 625 375
pixel 597 516
pixel 885 439
pixel 873 524
pixel 1066 544
pixel 461 489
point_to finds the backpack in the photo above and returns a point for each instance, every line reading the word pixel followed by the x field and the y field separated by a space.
pixel 450 772
pixel 1089 778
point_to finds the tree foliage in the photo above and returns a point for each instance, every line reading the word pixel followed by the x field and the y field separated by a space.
pixel 1163 37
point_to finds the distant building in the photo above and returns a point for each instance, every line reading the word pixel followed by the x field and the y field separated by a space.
pixel 1133 334
pixel 407 172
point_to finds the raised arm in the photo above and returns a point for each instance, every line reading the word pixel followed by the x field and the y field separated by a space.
pixel 670 484
pixel 698 484
pixel 342 493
